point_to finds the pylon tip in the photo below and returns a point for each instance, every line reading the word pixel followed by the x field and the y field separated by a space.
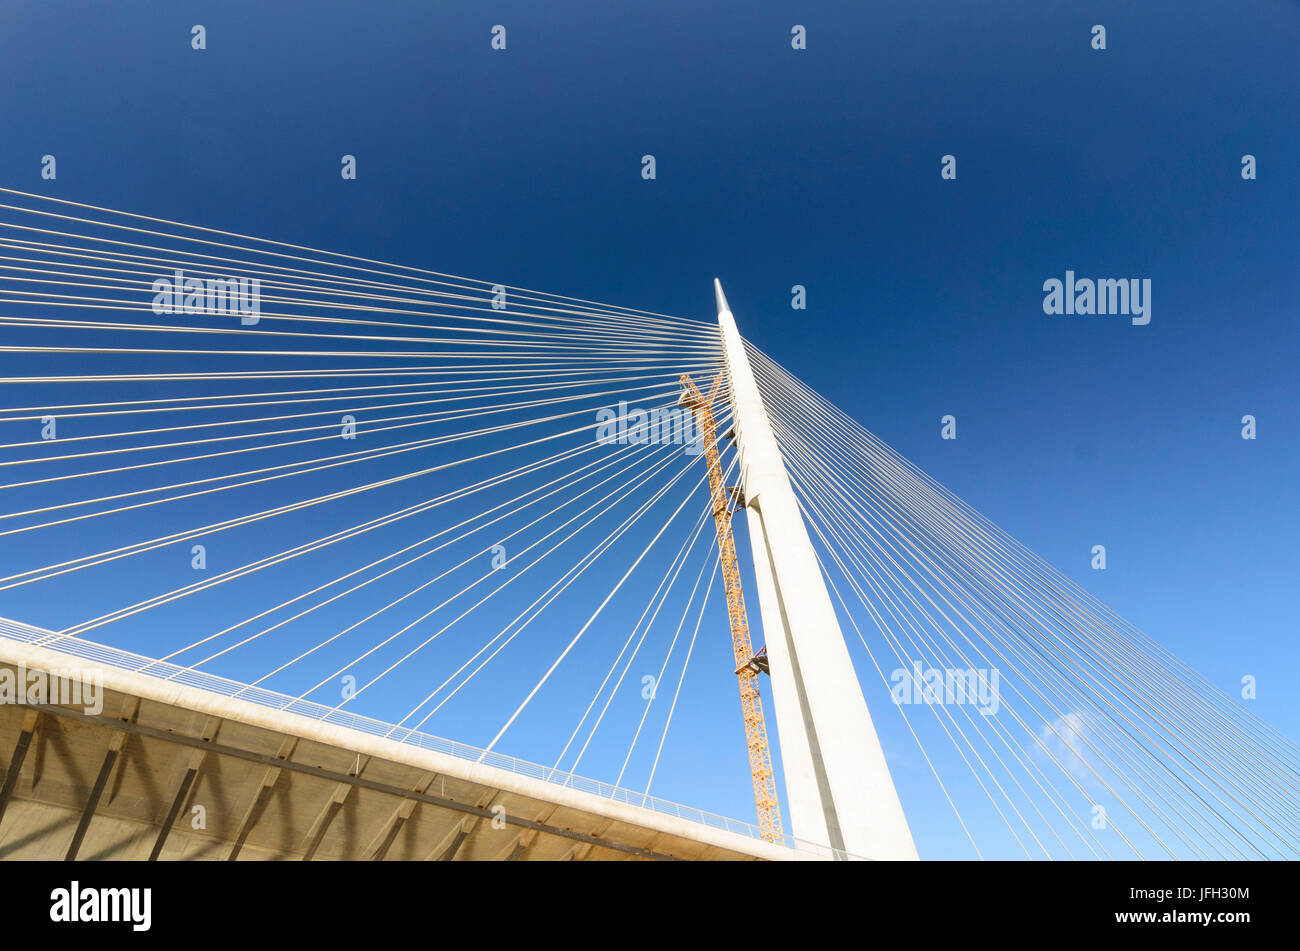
pixel 721 297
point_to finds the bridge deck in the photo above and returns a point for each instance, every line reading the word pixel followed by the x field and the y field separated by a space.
pixel 272 778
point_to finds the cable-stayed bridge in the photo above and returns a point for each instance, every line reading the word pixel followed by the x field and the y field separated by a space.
pixel 302 514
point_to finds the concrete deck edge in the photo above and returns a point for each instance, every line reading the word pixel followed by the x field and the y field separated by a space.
pixel 355 741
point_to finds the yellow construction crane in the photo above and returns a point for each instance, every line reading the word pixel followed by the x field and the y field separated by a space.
pixel 748 664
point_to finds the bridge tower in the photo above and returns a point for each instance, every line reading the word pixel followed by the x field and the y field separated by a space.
pixel 838 786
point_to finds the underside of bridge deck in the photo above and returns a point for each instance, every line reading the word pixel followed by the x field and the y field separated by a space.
pixel 163 771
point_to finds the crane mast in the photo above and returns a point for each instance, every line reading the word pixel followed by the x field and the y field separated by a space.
pixel 748 664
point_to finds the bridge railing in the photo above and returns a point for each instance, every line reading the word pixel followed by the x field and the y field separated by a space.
pixel 136 663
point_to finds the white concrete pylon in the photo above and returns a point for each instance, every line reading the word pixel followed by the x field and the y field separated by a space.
pixel 838 788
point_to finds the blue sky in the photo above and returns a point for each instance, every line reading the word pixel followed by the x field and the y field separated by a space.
pixel 818 168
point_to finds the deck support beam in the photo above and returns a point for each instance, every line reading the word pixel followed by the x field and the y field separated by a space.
pixel 96 791
pixel 25 734
pixel 183 792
